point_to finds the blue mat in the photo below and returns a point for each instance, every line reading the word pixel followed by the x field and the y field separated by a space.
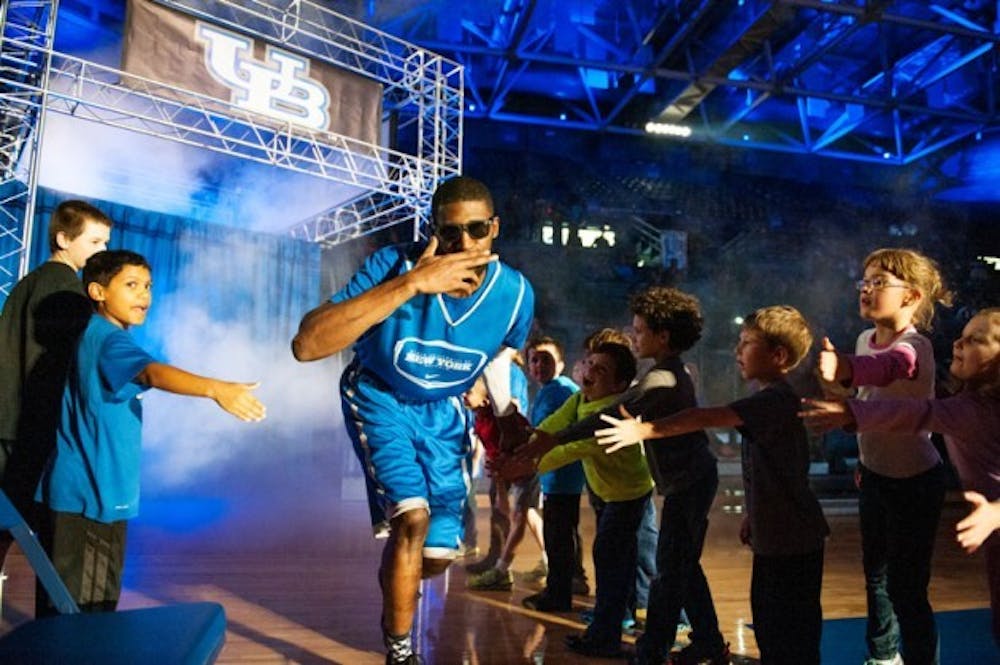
pixel 966 639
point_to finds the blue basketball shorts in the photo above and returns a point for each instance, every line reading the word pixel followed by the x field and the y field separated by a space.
pixel 414 456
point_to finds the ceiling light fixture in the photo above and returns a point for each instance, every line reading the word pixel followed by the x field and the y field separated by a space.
pixel 668 129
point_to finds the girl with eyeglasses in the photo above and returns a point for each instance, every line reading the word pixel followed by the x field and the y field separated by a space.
pixel 970 423
pixel 900 475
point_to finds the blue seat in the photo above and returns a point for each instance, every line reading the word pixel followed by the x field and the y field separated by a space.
pixel 182 634
pixel 179 634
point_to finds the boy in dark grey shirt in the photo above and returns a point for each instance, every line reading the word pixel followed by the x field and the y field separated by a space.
pixel 784 524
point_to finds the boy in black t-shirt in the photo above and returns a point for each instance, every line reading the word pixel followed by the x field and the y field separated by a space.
pixel 784 524
pixel 42 319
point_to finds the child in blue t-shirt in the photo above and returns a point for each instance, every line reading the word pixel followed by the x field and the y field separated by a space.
pixel 91 483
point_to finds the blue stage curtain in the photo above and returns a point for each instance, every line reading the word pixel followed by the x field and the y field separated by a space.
pixel 262 281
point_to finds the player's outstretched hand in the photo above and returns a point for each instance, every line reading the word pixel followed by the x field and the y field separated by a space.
pixel 624 432
pixel 980 523
pixel 823 415
pixel 456 273
pixel 239 400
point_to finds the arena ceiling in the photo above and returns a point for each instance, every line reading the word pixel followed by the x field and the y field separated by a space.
pixel 870 80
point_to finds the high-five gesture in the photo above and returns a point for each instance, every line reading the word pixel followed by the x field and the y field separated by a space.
pixel 239 400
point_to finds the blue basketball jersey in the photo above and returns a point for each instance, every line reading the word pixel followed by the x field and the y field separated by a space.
pixel 434 346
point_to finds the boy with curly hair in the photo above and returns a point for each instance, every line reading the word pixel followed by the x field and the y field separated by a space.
pixel 665 323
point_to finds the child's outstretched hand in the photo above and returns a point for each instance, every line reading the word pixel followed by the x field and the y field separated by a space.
pixel 237 399
pixel 828 362
pixel 822 415
pixel 535 448
pixel 624 432
pixel 980 523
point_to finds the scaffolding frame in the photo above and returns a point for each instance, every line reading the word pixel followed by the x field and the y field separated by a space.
pixel 422 94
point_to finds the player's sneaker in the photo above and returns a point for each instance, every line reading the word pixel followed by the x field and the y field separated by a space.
pixel 412 659
pixel 491 580
pixel 895 660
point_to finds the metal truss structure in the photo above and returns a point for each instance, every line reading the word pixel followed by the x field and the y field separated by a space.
pixel 422 96
pixel 28 29
pixel 887 81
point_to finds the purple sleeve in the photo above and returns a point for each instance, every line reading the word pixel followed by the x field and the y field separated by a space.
pixel 955 416
pixel 881 369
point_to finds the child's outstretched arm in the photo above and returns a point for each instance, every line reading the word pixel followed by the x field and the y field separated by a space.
pixel 843 370
pixel 629 431
pixel 980 523
pixel 235 398
pixel 823 415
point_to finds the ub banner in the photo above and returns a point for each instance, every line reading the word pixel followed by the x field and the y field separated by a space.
pixel 185 52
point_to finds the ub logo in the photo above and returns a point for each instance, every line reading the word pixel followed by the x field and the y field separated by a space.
pixel 279 86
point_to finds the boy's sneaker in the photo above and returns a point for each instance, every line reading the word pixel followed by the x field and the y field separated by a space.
pixel 628 623
pixel 584 645
pixel 484 564
pixel 542 602
pixel 537 574
pixel 697 654
pixel 895 660
pixel 491 580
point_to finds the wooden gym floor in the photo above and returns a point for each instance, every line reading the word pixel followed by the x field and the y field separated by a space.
pixel 312 599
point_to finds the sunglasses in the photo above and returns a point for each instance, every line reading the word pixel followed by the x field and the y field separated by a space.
pixel 450 234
